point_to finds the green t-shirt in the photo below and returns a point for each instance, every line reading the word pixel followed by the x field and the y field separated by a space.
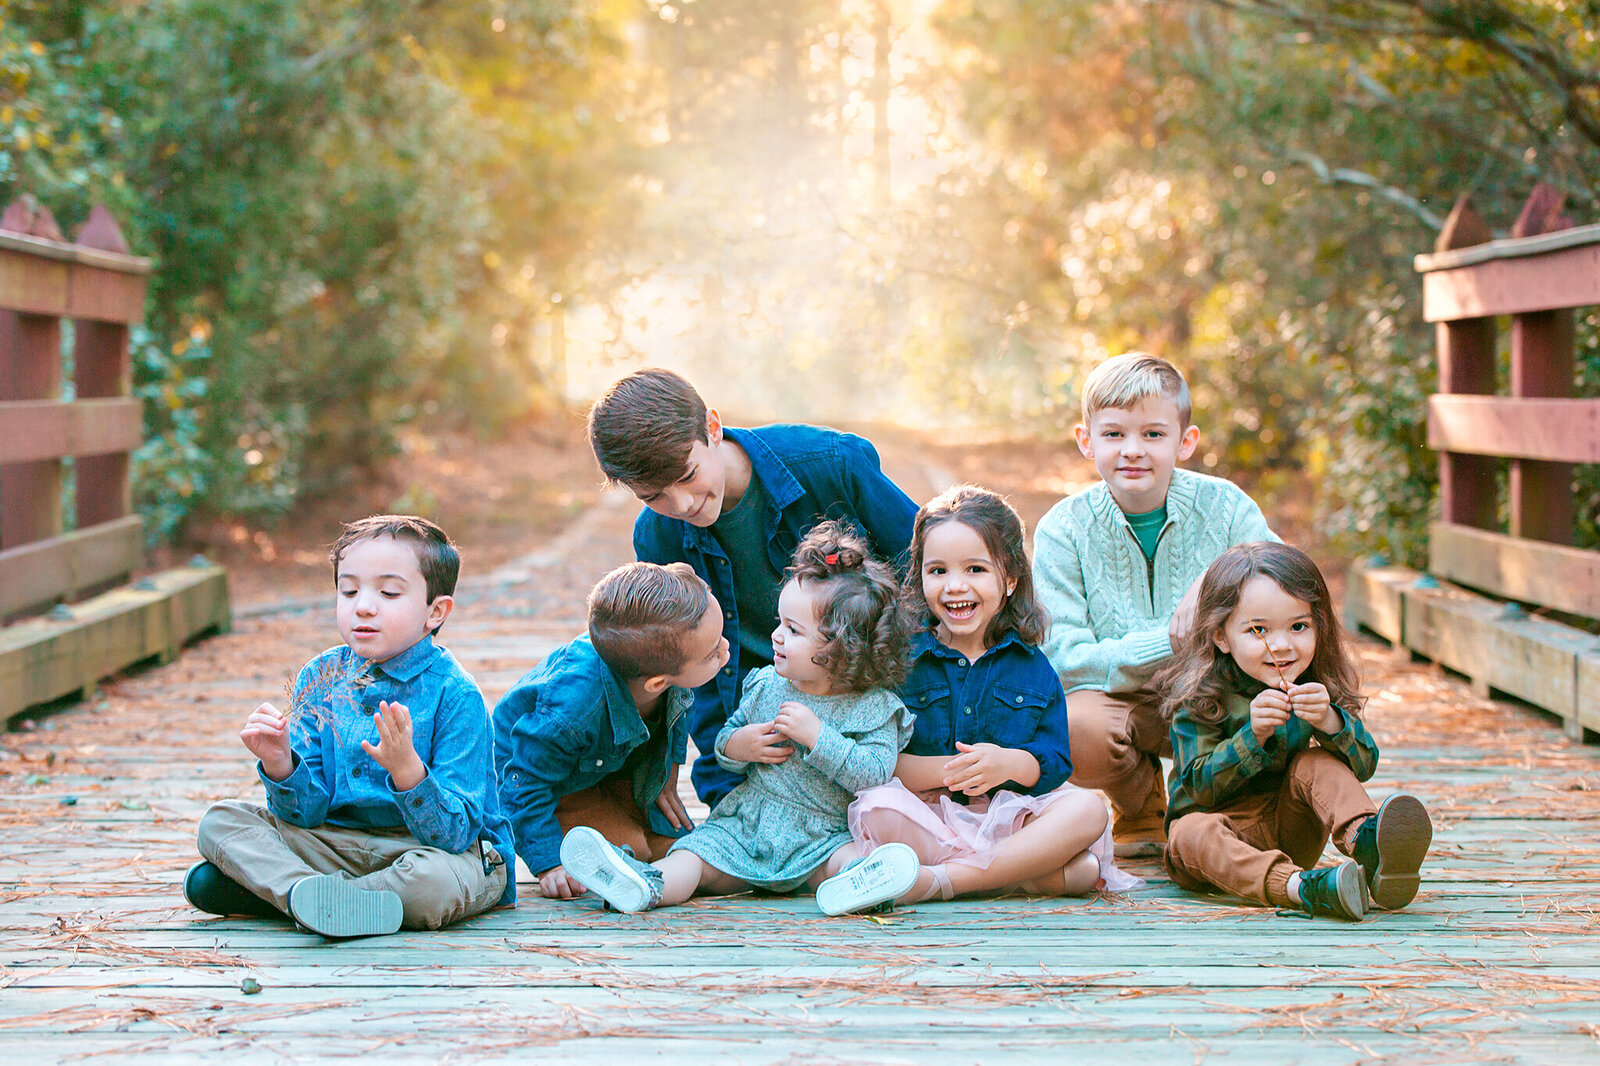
pixel 1147 528
pixel 755 583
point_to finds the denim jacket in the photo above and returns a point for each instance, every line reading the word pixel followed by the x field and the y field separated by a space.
pixel 1010 696
pixel 563 728
pixel 335 781
pixel 810 474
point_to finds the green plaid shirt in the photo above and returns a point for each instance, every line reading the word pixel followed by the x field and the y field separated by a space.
pixel 1214 764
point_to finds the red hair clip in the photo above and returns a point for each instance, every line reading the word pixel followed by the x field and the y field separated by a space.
pixel 832 558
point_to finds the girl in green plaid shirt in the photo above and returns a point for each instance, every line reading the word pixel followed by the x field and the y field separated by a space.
pixel 1269 752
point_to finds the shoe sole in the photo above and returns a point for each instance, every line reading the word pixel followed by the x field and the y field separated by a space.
pixel 1404 834
pixel 1352 886
pixel 888 873
pixel 590 858
pixel 334 908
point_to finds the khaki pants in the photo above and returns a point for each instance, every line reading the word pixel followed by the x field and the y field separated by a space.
pixel 1252 846
pixel 1117 745
pixel 609 810
pixel 267 855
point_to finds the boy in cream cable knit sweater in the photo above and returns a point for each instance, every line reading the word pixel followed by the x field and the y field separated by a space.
pixel 1117 566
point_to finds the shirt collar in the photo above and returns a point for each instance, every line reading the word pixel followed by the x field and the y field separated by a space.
pixel 780 485
pixel 926 642
pixel 406 666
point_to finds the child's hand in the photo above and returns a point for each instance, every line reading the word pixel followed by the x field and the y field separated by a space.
pixel 979 768
pixel 1268 711
pixel 556 883
pixel 394 751
pixel 670 803
pixel 1311 705
pixel 266 734
pixel 798 722
pixel 757 742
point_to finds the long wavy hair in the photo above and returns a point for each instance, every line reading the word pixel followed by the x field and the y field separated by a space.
pixel 1003 534
pixel 1201 676
pixel 863 621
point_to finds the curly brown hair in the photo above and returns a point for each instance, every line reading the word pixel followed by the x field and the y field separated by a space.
pixel 863 620
pixel 1200 676
pixel 1001 529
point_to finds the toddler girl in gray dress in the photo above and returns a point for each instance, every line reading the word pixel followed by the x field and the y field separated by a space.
pixel 813 729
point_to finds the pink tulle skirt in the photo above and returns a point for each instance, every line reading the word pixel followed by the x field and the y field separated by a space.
pixel 971 833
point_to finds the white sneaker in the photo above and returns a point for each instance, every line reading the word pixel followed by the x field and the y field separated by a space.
pixel 888 873
pixel 604 869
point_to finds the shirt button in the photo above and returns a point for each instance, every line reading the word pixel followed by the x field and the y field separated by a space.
pixel 356 772
pixel 961 662
pixel 1019 699
pixel 599 762
pixel 966 710
pixel 727 671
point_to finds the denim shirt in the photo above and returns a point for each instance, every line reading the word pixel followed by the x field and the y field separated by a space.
pixel 564 727
pixel 336 782
pixel 1011 696
pixel 810 474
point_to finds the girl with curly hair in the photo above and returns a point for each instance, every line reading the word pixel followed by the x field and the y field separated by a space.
pixel 813 729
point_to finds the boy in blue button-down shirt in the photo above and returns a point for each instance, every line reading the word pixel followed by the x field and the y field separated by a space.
pixel 381 805
pixel 595 735
pixel 734 504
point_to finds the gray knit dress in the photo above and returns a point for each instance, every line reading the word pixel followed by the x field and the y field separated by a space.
pixel 784 820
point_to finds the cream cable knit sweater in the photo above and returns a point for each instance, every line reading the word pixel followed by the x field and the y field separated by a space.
pixel 1108 631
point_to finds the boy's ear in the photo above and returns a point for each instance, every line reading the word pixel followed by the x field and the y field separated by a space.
pixel 1186 444
pixel 439 610
pixel 713 427
pixel 1081 433
pixel 655 686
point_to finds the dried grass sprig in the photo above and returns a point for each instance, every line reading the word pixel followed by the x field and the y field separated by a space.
pixel 328 685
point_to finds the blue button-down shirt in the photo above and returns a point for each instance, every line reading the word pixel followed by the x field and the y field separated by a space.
pixel 1010 696
pixel 810 474
pixel 336 782
pixel 564 727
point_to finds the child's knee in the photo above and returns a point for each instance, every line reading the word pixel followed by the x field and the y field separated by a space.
pixel 222 820
pixel 1088 810
pixel 432 894
pixel 883 825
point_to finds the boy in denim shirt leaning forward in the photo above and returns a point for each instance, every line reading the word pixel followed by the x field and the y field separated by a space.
pixel 734 504
pixel 381 806
pixel 595 735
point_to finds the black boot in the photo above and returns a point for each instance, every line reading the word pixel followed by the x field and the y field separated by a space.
pixel 209 889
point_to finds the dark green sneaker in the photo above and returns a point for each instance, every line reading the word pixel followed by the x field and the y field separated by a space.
pixel 1390 847
pixel 207 888
pixel 1334 892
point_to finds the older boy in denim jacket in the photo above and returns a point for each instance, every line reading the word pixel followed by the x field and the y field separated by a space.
pixel 1118 566
pixel 734 504
pixel 596 734
pixel 381 806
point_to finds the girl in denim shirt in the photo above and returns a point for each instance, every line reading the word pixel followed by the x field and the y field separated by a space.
pixel 981 792
pixel 814 728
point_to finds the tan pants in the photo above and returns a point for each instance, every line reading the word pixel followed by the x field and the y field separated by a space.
pixel 1252 846
pixel 609 810
pixel 267 855
pixel 1117 745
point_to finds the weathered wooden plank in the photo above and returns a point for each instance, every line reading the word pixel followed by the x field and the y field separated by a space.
pixel 45 659
pixel 48 570
pixel 1563 430
pixel 1549 575
pixel 1372 600
pixel 1531 658
pixel 46 429
pixel 1505 280
pixel 1589 688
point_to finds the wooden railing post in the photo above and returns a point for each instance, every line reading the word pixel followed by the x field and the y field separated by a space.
pixel 1466 366
pixel 101 370
pixel 1542 365
pixel 30 369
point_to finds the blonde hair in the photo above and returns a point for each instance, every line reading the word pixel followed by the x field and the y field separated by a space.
pixel 1123 380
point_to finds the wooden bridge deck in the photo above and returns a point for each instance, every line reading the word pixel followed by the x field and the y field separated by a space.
pixel 1495 961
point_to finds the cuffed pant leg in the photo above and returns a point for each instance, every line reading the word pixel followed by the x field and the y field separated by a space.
pixel 436 888
pixel 1230 850
pixel 264 853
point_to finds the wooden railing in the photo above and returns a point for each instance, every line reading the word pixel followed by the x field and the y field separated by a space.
pixel 45 566
pixel 96 284
pixel 1539 431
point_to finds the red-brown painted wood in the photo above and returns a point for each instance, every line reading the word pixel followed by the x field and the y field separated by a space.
pixel 1540 493
pixel 1567 277
pixel 1467 366
pixel 30 369
pixel 1555 431
pixel 53 429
